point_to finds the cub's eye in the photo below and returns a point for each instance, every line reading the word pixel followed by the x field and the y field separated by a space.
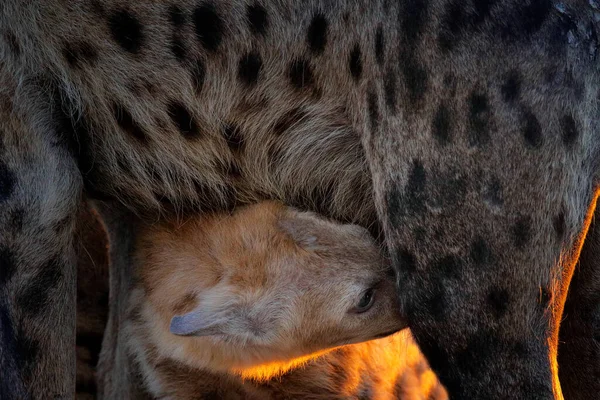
pixel 366 301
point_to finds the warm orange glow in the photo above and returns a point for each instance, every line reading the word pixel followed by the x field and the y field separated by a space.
pixel 264 372
pixel 569 261
pixel 395 361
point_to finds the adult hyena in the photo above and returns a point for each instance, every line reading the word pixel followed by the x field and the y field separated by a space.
pixel 477 122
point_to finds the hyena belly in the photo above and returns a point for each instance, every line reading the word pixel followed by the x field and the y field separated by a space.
pixel 193 107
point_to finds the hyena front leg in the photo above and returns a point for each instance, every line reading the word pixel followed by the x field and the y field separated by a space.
pixel 484 301
pixel 579 340
pixel 485 191
pixel 40 189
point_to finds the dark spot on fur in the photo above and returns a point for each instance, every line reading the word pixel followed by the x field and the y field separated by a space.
pixel 523 19
pixel 355 62
pixel 479 115
pixel 13 43
pixel 8 182
pixel 413 18
pixel 126 30
pixel 511 88
pixel 249 68
pixel 316 36
pixel 459 21
pixel 521 232
pixel 413 200
pixel 442 129
pixel 415 78
pixel 453 22
pixel 437 303
pixel 34 298
pixel 234 137
pixel 209 26
pixel 77 53
pixel 406 261
pixel 480 253
pixel 288 121
pixel 15 219
pixel 183 120
pixel 498 299
pixel 483 348
pixel 449 267
pixel 532 130
pixel 257 18
pixel 373 109
pixel 232 169
pixel 176 16
pixel 560 225
pixel 178 48
pixel 128 124
pixel 415 188
pixel 569 130
pixel 421 367
pixel 8 264
pixel 300 73
pixel 379 46
pixel 198 75
pixel 389 90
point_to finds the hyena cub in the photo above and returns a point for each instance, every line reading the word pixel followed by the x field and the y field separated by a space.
pixel 258 292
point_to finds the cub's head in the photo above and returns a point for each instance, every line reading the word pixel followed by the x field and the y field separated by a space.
pixel 265 289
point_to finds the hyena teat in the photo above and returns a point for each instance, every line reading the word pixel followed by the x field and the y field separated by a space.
pixel 260 291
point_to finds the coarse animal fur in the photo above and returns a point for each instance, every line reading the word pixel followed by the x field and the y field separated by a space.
pixel 467 131
pixel 256 294
pixel 389 367
pixel 91 247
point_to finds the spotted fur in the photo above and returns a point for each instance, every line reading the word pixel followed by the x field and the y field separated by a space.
pixel 475 122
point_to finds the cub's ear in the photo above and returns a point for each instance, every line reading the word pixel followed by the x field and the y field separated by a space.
pixel 195 323
pixel 301 229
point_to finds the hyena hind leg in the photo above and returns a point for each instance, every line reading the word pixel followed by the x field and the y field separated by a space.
pixel 40 190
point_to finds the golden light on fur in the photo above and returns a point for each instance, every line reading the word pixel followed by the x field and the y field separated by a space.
pixel 263 291
pixel 569 262
pixel 267 371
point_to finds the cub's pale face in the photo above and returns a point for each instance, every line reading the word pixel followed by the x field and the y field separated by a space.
pixel 304 304
pixel 288 285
